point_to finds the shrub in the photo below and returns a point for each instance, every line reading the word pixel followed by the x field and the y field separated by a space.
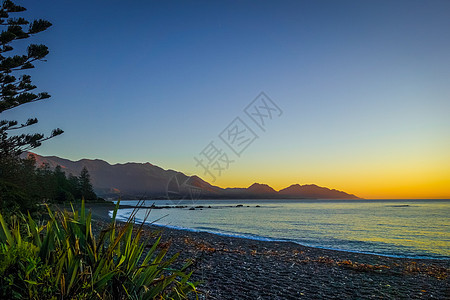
pixel 13 199
pixel 63 259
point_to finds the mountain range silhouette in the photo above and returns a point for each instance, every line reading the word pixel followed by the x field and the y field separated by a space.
pixel 147 181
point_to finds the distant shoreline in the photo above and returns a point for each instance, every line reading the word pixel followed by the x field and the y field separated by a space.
pixel 362 200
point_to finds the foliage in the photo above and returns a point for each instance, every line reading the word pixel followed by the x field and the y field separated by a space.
pixel 63 259
pixel 85 185
pixel 16 91
pixel 20 184
pixel 23 185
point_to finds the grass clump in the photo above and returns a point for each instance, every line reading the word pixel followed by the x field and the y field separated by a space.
pixel 63 259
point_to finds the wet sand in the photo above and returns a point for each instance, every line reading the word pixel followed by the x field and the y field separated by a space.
pixel 234 268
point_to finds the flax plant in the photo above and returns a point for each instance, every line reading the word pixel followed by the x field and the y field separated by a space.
pixel 64 259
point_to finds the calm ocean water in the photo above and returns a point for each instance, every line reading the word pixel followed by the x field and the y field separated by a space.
pixel 402 228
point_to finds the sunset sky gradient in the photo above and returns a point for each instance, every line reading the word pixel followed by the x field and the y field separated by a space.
pixel 364 87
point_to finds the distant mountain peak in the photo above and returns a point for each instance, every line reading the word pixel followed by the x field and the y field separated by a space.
pixel 314 191
pixel 261 188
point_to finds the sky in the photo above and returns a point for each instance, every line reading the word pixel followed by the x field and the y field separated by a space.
pixel 358 91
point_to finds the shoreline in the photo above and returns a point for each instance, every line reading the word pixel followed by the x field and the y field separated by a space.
pixel 101 212
pixel 240 268
pixel 425 256
pixel 272 240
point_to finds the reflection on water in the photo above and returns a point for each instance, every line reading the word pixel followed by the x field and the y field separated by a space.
pixel 411 228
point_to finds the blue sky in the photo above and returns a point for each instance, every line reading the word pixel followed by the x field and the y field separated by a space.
pixel 364 87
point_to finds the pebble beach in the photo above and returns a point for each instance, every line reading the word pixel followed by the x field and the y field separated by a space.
pixel 237 268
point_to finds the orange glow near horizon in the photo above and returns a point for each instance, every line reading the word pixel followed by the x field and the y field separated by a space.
pixel 408 181
pixel 422 190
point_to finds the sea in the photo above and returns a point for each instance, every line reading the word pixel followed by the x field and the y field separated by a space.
pixel 397 228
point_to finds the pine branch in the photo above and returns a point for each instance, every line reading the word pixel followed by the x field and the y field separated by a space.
pixel 16 91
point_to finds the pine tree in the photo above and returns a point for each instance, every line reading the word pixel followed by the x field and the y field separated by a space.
pixel 63 193
pixel 16 91
pixel 85 185
pixel 74 186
